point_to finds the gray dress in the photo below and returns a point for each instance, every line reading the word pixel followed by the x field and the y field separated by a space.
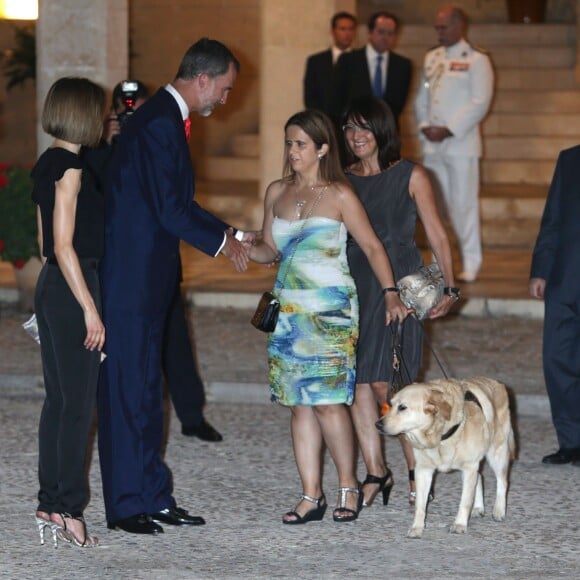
pixel 393 215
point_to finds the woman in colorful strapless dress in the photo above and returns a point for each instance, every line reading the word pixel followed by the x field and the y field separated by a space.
pixel 312 352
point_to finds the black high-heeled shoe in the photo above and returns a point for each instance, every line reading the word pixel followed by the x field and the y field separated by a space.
pixel 314 515
pixel 343 513
pixel 413 494
pixel 385 484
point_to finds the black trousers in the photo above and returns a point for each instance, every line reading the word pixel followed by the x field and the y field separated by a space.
pixel 561 354
pixel 179 367
pixel 70 380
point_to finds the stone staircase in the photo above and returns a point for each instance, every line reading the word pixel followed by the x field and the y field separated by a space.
pixel 535 114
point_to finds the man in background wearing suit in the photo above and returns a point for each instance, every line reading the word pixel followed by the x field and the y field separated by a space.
pixel 319 90
pixel 375 69
pixel 554 278
pixel 149 208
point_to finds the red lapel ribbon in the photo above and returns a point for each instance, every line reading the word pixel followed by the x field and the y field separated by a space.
pixel 187 125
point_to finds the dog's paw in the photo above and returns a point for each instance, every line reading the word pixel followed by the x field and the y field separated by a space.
pixel 457 529
pixel 498 515
pixel 415 532
pixel 478 511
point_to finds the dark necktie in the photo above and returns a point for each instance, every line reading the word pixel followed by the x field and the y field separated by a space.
pixel 187 126
pixel 378 80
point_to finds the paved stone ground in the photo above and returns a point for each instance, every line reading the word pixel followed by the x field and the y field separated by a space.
pixel 243 485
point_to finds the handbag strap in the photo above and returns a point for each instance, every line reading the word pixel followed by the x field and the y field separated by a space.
pixel 301 235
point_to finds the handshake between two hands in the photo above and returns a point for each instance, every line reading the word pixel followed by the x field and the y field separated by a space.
pixel 239 251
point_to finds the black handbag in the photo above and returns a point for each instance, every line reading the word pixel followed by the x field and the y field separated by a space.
pixel 266 315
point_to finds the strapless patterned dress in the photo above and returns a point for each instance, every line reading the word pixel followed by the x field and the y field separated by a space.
pixel 312 352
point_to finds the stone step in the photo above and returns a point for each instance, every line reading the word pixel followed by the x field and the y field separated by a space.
pixel 245 145
pixel 491 35
pixel 533 124
pixel 530 147
pixel 527 171
pixel 537 102
pixel 236 202
pixel 510 233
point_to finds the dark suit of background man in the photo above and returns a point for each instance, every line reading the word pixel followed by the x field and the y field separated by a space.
pixel 555 276
pixel 319 90
pixel 179 366
pixel 356 72
pixel 149 207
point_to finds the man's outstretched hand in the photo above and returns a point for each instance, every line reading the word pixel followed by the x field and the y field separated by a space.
pixel 235 251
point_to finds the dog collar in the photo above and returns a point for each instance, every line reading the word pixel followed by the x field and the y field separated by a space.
pixel 469 396
pixel 450 432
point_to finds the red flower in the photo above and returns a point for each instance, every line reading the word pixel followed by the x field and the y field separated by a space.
pixel 3 180
pixel 19 264
pixel 1 246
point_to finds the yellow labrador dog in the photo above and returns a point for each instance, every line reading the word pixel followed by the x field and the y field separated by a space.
pixel 453 424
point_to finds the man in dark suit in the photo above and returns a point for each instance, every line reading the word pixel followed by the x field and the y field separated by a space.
pixel 554 277
pixel 149 207
pixel 375 69
pixel 319 90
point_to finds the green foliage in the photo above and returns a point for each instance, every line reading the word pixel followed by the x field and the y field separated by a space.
pixel 18 229
pixel 20 64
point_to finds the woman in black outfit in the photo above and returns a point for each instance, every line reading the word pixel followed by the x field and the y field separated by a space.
pixel 67 303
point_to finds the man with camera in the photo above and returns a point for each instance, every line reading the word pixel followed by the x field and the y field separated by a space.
pixel 179 367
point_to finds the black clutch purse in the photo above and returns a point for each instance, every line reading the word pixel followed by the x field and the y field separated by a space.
pixel 266 315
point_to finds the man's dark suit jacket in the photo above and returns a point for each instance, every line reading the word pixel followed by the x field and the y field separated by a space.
pixel 319 84
pixel 353 79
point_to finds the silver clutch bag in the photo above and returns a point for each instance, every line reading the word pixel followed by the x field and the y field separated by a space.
pixel 422 289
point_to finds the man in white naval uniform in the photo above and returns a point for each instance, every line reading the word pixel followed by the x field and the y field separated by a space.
pixel 454 95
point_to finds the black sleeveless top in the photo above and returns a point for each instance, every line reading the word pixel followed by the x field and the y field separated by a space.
pixel 88 234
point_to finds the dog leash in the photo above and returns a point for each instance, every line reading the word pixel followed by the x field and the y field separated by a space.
pixel 399 367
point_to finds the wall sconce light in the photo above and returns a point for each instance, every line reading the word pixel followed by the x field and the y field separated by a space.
pixel 19 9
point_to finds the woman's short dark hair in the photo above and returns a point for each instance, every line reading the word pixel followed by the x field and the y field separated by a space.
pixel 378 117
pixel 320 129
pixel 206 56
pixel 74 111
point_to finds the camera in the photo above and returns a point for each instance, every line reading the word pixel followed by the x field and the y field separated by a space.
pixel 128 97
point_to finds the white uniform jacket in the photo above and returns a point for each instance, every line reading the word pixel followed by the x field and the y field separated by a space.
pixel 455 92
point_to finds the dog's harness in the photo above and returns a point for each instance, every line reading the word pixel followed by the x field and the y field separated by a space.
pixel 469 396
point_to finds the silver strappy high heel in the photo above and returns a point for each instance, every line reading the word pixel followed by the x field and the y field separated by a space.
pixel 42 524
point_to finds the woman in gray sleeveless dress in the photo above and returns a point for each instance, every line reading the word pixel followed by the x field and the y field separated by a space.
pixel 393 191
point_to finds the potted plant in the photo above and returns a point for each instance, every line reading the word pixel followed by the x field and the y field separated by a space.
pixel 18 229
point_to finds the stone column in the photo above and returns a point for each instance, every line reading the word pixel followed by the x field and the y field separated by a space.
pixel 290 32
pixel 86 38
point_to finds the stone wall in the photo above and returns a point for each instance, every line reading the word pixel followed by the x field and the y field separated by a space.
pixel 162 31
pixel 17 110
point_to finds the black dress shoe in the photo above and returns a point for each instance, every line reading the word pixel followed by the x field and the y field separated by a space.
pixel 562 456
pixel 177 517
pixel 204 431
pixel 139 524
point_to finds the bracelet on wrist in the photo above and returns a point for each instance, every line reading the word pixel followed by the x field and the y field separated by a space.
pixel 391 289
pixel 452 291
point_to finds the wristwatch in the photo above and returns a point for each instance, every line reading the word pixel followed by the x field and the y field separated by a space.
pixel 452 291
